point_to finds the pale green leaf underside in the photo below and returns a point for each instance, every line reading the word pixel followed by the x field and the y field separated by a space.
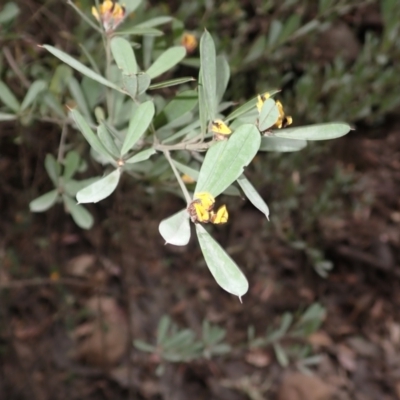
pixel 89 135
pixel 79 214
pixel 224 270
pixel 8 98
pixel 34 90
pixel 141 156
pixel 138 125
pixel 123 55
pixel 72 62
pixel 278 144
pixel 225 160
pixel 330 130
pixel 268 115
pixel 44 202
pixel 176 229
pixel 208 72
pixel 253 196
pixel 100 189
pixel 7 117
pixel 185 169
pixel 166 61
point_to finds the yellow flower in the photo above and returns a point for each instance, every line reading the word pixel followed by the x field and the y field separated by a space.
pixel 189 42
pixel 261 99
pixel 205 199
pixel 187 179
pixel 219 126
pixel 110 14
pixel 220 129
pixel 221 216
pixel 201 210
pixel 283 120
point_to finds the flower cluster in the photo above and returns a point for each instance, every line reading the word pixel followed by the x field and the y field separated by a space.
pixel 110 14
pixel 189 42
pixel 220 130
pixel 283 120
pixel 201 210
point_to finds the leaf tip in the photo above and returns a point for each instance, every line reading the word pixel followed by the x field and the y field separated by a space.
pixel 240 299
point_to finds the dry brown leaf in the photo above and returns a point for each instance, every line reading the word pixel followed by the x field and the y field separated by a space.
pixel 297 386
pixel 346 357
pixel 80 265
pixel 103 340
pixel 320 339
pixel 258 358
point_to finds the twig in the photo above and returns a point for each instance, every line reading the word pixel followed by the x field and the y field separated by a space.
pixel 178 178
pixel 14 66
pixel 43 281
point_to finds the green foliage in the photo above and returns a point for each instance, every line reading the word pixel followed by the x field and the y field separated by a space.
pixel 288 340
pixel 284 339
pixel 136 131
pixel 181 345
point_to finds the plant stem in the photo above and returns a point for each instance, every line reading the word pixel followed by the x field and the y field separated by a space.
pixel 185 192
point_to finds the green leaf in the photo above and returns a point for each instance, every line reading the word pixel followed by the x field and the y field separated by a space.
pixel 76 92
pixel 141 31
pixel 225 160
pixel 222 267
pixel 72 62
pixel 166 61
pixel 176 229
pixel 44 202
pixel 202 107
pixel 71 164
pixel 54 104
pixel 252 194
pixel 72 186
pixel 53 168
pixel 269 114
pixel 223 75
pixel 140 345
pixel 151 23
pixel 130 84
pixel 185 169
pixel 79 214
pixel 144 81
pixel 7 97
pixel 131 5
pixel 257 49
pixel 123 55
pixel 7 117
pixel 180 105
pixel 275 29
pixel 272 143
pixel 100 189
pixel 246 107
pixel 162 329
pixel 107 140
pixel 34 90
pixel 92 139
pixel 59 81
pixel 209 73
pixel 330 130
pixel 9 12
pixel 171 82
pixel 280 355
pixel 138 125
pixel 141 156
pixel 290 26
